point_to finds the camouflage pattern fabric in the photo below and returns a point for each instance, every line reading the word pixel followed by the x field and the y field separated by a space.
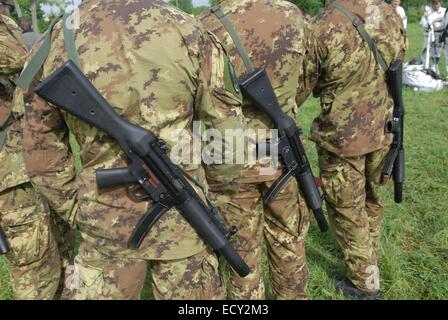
pixel 34 260
pixel 343 72
pixel 351 129
pixel 120 278
pixel 355 211
pixel 281 226
pixel 41 245
pixel 159 69
pixel 12 48
pixel 273 33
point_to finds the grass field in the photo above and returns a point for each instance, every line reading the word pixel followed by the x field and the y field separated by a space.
pixel 415 236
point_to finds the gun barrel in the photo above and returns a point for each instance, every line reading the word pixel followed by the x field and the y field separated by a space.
pixel 204 225
pixel 4 246
pixel 313 198
pixel 399 176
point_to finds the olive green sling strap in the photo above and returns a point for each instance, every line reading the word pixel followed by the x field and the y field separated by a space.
pixel 358 24
pixel 2 138
pixel 38 60
pixel 216 10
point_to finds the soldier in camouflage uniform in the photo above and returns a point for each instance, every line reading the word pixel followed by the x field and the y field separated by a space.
pixel 34 259
pixel 159 69
pixel 351 132
pixel 273 34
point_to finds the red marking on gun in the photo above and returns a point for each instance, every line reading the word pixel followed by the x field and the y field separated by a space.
pixel 319 182
pixel 152 178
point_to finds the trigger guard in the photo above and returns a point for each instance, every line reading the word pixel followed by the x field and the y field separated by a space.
pixel 132 193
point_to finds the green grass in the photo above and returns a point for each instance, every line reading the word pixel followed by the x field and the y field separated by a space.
pixel 415 235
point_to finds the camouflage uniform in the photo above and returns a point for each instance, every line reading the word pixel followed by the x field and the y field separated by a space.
pixel 273 33
pixel 351 129
pixel 34 259
pixel 159 70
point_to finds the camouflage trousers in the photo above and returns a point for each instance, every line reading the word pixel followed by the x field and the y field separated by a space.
pixel 355 212
pixel 99 276
pixel 282 225
pixel 41 245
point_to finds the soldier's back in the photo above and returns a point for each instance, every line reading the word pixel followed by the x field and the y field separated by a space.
pixel 352 85
pixel 148 60
pixel 272 33
pixel 144 57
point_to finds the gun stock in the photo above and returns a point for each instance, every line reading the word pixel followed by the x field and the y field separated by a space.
pixel 69 89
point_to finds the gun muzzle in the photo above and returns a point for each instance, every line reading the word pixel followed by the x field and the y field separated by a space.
pixel 4 246
pixel 399 177
pixel 313 198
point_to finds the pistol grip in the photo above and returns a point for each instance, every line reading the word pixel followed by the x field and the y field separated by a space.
pixel 108 178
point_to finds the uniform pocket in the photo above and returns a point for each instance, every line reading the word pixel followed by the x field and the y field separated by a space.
pixel 89 276
pixel 29 241
pixel 338 186
pixel 224 82
pixel 213 278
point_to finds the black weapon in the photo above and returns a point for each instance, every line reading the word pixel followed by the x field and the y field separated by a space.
pixel 7 88
pixel 4 246
pixel 162 181
pixel 442 39
pixel 2 89
pixel 395 162
pixel 443 36
pixel 258 88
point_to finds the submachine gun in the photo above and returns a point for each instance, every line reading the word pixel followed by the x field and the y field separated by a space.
pixel 4 246
pixel 395 162
pixel 162 181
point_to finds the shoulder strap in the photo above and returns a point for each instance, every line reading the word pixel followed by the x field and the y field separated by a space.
pixel 38 60
pixel 2 137
pixel 357 23
pixel 216 10
pixel 69 42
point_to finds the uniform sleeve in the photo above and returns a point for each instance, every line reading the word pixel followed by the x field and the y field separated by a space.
pixel 218 105
pixel 311 67
pixel 424 22
pixel 13 51
pixel 48 157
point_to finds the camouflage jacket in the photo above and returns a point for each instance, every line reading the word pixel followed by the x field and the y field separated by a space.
pixel 12 57
pixel 273 33
pixel 158 69
pixel 12 48
pixel 356 104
